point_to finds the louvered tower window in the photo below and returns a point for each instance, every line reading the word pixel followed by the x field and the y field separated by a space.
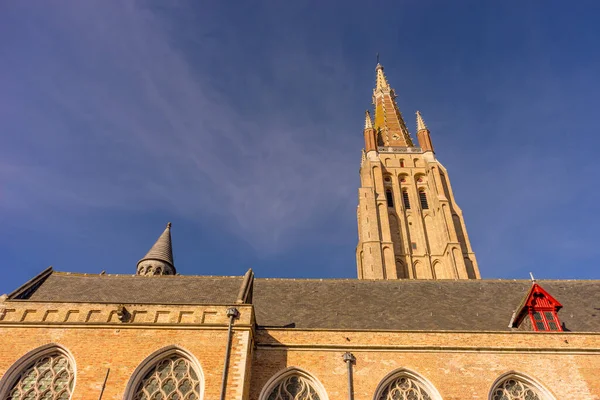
pixel 423 200
pixel 405 199
pixel 389 198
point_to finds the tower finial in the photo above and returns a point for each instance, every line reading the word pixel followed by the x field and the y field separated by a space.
pixel 368 123
pixel 420 123
pixel 159 260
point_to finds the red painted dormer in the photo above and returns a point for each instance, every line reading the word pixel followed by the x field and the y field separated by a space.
pixel 541 308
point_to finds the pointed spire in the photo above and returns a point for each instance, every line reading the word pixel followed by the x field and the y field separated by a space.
pixel 388 119
pixel 420 123
pixel 381 81
pixel 159 260
pixel 423 135
pixel 368 123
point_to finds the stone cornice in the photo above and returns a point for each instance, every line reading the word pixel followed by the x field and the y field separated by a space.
pixel 121 315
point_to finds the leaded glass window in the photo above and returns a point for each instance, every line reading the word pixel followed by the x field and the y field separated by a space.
pixel 51 377
pixel 294 387
pixel 172 378
pixel 515 389
pixel 404 388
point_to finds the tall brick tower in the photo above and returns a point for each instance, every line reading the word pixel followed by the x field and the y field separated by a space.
pixel 409 225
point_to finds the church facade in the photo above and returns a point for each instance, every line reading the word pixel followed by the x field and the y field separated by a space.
pixel 419 323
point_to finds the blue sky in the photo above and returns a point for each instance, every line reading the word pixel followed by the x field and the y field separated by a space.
pixel 241 123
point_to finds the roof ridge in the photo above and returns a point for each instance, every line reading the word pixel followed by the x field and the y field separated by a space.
pixel 355 280
pixel 65 273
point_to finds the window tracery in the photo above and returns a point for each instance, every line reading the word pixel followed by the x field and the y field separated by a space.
pixel 404 388
pixel 515 389
pixel 171 378
pixel 294 387
pixel 50 377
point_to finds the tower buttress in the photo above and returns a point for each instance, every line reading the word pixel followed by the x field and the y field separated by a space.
pixel 409 225
pixel 159 259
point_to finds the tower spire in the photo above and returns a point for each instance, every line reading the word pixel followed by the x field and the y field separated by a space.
pixel 380 79
pixel 369 133
pixel 368 123
pixel 388 119
pixel 420 123
pixel 423 135
pixel 159 259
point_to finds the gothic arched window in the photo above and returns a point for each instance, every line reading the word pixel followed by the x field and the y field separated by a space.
pixel 517 387
pixel 172 377
pixel 47 373
pixel 293 384
pixel 167 374
pixel 405 385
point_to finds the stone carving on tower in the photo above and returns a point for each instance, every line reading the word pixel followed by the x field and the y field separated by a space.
pixel 409 225
pixel 159 260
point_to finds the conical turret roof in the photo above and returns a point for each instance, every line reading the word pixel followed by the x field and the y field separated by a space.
pixel 162 249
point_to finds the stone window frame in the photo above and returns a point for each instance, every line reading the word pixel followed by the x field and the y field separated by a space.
pixel 389 378
pixel 25 361
pixel 150 362
pixel 285 373
pixel 546 394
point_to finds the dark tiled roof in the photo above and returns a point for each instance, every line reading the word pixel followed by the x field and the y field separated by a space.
pixel 478 305
pixel 166 289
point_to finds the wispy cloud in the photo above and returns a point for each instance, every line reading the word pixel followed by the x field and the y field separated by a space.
pixel 123 120
pixel 246 120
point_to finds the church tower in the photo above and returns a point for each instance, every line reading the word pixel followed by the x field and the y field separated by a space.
pixel 409 225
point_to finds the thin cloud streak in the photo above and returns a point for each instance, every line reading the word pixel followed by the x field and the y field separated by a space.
pixel 163 138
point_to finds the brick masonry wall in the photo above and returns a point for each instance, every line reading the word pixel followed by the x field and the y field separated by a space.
pixel 459 365
pixel 122 350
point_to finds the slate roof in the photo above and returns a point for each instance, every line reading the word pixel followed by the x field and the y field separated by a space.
pixel 136 289
pixel 478 305
pixel 474 305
